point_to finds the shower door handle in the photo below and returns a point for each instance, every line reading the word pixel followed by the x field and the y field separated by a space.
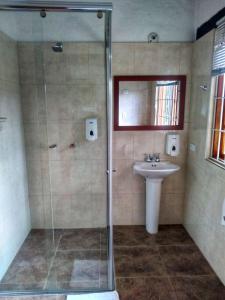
pixel 113 171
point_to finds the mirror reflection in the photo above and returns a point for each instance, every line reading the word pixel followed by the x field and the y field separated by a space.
pixel 153 102
pixel 149 103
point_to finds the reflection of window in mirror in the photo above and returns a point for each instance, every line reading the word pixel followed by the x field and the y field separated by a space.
pixel 167 102
pixel 148 103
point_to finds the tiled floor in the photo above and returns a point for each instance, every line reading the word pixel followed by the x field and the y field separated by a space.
pixel 76 260
pixel 166 266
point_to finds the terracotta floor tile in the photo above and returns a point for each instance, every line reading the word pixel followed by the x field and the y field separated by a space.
pixel 75 266
pixel 184 260
pixel 199 287
pixel 80 239
pixel 138 236
pixel 159 288
pixel 138 261
pixel 132 288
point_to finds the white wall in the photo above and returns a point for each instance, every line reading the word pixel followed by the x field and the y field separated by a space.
pixel 14 208
pixel 133 20
pixel 205 190
pixel 205 9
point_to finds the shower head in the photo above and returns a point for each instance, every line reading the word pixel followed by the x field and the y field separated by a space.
pixel 58 47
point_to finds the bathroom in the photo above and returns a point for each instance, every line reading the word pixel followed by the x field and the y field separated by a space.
pixel 105 195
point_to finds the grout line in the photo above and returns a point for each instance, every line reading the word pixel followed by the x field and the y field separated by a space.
pixel 152 246
pixel 78 250
pixel 51 264
pixel 99 266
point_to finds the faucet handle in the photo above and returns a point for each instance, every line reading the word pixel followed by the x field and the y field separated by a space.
pixel 148 157
pixel 156 157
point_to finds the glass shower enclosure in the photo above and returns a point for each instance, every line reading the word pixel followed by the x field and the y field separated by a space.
pixel 55 150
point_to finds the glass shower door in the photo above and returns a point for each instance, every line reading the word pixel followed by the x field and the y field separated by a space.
pixel 62 87
pixel 75 91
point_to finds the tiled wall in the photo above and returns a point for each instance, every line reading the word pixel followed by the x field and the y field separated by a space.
pixel 129 189
pixel 14 206
pixel 75 90
pixel 205 189
pixel 60 90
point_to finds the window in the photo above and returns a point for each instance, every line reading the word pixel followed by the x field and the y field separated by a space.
pixel 218 121
pixel 218 129
pixel 166 102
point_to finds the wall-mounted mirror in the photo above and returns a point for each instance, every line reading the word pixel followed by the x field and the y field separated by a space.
pixel 149 102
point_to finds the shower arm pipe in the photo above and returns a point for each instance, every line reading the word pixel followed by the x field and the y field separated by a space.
pixel 54 6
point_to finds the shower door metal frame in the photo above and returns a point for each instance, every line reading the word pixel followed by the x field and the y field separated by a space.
pixel 61 6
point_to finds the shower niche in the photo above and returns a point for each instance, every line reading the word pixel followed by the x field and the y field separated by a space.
pixel 55 224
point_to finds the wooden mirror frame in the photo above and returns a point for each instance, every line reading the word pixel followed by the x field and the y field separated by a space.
pixel 118 79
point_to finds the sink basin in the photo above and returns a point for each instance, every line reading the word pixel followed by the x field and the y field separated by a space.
pixel 154 173
pixel 155 169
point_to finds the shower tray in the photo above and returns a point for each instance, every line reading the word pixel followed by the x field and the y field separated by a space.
pixel 95 296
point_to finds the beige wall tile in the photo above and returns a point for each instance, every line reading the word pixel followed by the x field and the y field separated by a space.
pixel 138 208
pixel 34 177
pixel 96 56
pixel 59 104
pixel 81 210
pixel 153 59
pixel 99 210
pixel 122 145
pixel 76 56
pixel 31 61
pixel 123 58
pixel 33 103
pixel 9 65
pixel 124 180
pixel 171 202
pixel 66 177
pixel 143 143
pixel 157 59
pixel 61 206
pixel 36 142
pixel 36 211
pixel 175 183
pixel 185 66
pixel 122 208
pixel 78 93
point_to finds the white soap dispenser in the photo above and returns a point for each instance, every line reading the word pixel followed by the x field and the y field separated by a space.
pixel 173 144
pixel 91 129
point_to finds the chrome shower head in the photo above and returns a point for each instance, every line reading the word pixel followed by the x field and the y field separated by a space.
pixel 58 47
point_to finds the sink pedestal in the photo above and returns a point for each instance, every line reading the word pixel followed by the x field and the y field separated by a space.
pixel 154 173
pixel 153 195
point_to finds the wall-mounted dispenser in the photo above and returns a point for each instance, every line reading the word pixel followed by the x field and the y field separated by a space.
pixel 173 144
pixel 223 214
pixel 91 129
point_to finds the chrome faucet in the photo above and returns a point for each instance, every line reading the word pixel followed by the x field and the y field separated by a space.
pixel 155 157
pixel 148 157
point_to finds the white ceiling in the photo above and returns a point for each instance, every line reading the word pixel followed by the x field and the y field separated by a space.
pixel 133 20
pixel 205 9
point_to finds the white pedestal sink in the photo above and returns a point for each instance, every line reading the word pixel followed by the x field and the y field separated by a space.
pixel 154 173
